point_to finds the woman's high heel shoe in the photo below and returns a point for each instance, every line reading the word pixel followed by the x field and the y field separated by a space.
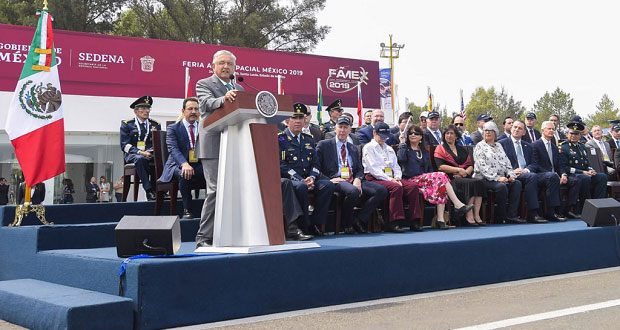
pixel 470 224
pixel 480 223
pixel 463 209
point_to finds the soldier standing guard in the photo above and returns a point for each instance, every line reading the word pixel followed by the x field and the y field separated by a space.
pixel 299 163
pixel 137 140
pixel 335 111
pixel 575 161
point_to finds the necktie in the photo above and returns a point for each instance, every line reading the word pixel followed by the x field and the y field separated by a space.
pixel 550 155
pixel 343 156
pixel 437 137
pixel 229 86
pixel 520 157
pixel 532 135
pixel 191 134
pixel 142 130
pixel 618 143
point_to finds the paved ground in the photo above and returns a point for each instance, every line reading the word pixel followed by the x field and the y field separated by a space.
pixel 569 301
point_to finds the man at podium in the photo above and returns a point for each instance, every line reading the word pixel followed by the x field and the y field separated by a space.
pixel 212 92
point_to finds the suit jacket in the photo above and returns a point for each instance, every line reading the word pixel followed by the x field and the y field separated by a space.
pixel 541 158
pixel 527 138
pixel 561 135
pixel 92 190
pixel 503 136
pixel 592 144
pixel 317 134
pixel 429 138
pixel 354 138
pixel 328 159
pixel 366 134
pixel 583 139
pixel 528 153
pixel 476 136
pixel 210 92
pixel 178 151
pixel 37 196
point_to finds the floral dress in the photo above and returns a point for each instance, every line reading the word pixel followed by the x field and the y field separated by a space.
pixel 416 168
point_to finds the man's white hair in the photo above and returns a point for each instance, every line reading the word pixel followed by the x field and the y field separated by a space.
pixel 544 124
pixel 224 52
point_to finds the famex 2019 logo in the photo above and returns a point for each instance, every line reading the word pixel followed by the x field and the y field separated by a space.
pixel 343 79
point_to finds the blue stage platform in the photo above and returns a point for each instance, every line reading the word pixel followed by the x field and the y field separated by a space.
pixel 169 292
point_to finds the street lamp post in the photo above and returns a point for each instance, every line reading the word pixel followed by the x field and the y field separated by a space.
pixel 394 52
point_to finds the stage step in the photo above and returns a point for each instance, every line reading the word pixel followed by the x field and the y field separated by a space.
pixel 43 305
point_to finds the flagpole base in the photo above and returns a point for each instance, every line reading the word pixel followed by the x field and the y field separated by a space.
pixel 22 210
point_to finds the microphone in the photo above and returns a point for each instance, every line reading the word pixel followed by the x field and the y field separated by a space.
pixel 240 79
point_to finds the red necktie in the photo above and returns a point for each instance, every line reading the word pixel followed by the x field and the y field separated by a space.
pixel 343 156
pixel 532 134
pixel 191 134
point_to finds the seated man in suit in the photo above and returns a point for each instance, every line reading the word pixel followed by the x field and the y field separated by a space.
pixel 575 161
pixel 432 134
pixel 507 128
pixel 558 136
pixel 531 134
pixel 340 161
pixel 480 121
pixel 182 162
pixel 352 138
pixel 299 163
pixel 137 140
pixel 365 134
pixel 459 123
pixel 547 162
pixel 521 156
pixel 597 142
pixel 403 119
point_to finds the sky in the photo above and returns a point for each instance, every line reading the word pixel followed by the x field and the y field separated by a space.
pixel 527 47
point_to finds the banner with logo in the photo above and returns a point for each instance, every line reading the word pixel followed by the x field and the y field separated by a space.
pixel 385 89
pixel 103 65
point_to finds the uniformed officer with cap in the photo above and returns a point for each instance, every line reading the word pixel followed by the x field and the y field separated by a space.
pixel 137 140
pixel 334 110
pixel 608 136
pixel 299 162
pixel 575 162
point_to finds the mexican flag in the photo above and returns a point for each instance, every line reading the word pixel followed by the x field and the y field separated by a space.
pixel 35 122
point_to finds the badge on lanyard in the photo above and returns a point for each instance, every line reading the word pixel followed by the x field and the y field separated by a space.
pixel 192 157
pixel 141 145
pixel 344 173
pixel 388 172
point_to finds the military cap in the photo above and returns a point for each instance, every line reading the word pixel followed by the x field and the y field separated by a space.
pixel 343 120
pixel 531 115
pixel 484 116
pixel 383 130
pixel 433 114
pixel 299 110
pixel 336 105
pixel 577 118
pixel 614 122
pixel 616 127
pixel 144 101
pixel 575 127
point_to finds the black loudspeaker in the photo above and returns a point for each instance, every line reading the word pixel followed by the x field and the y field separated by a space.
pixel 152 235
pixel 597 212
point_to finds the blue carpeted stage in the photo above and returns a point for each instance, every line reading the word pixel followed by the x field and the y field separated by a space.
pixel 169 292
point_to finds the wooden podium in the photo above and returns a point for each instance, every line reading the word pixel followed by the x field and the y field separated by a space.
pixel 248 206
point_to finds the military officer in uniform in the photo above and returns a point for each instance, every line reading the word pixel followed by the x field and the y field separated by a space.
pixel 299 163
pixel 137 140
pixel 334 110
pixel 575 161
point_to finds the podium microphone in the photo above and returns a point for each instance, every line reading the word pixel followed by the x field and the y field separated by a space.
pixel 240 79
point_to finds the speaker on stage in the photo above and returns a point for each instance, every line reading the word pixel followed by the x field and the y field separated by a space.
pixel 597 212
pixel 152 235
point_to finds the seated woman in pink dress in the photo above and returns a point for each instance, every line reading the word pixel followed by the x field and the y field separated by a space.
pixel 414 161
pixel 381 166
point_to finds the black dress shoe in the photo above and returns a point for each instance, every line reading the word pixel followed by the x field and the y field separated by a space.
pixel 359 228
pixel 415 227
pixel 298 235
pixel 573 215
pixel 150 195
pixel 315 231
pixel 205 242
pixel 463 209
pixel 560 217
pixel 537 219
pixel 350 231
pixel 394 228
pixel 470 224
pixel 187 214
pixel 441 225
pixel 556 218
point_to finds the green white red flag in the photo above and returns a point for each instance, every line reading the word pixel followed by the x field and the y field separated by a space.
pixel 35 123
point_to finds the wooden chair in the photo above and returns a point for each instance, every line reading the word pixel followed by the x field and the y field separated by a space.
pixel 129 171
pixel 160 155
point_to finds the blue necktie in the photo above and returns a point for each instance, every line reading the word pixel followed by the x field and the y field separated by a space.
pixel 520 157
pixel 438 137
pixel 617 143
pixel 229 87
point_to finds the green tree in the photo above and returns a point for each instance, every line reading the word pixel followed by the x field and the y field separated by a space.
pixel 263 24
pixel 416 111
pixel 558 103
pixel 76 15
pixel 497 105
pixel 606 111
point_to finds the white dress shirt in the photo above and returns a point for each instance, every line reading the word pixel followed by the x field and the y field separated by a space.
pixel 376 158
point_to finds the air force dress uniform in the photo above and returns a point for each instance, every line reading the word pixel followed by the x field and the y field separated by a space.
pixel 137 136
pixel 331 124
pixel 298 161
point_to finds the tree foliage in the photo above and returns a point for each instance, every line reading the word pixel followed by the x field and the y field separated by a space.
pixel 497 105
pixel 606 111
pixel 76 15
pixel 558 103
pixel 263 24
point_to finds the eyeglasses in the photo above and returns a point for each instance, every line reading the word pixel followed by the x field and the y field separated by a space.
pixel 415 133
pixel 459 124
